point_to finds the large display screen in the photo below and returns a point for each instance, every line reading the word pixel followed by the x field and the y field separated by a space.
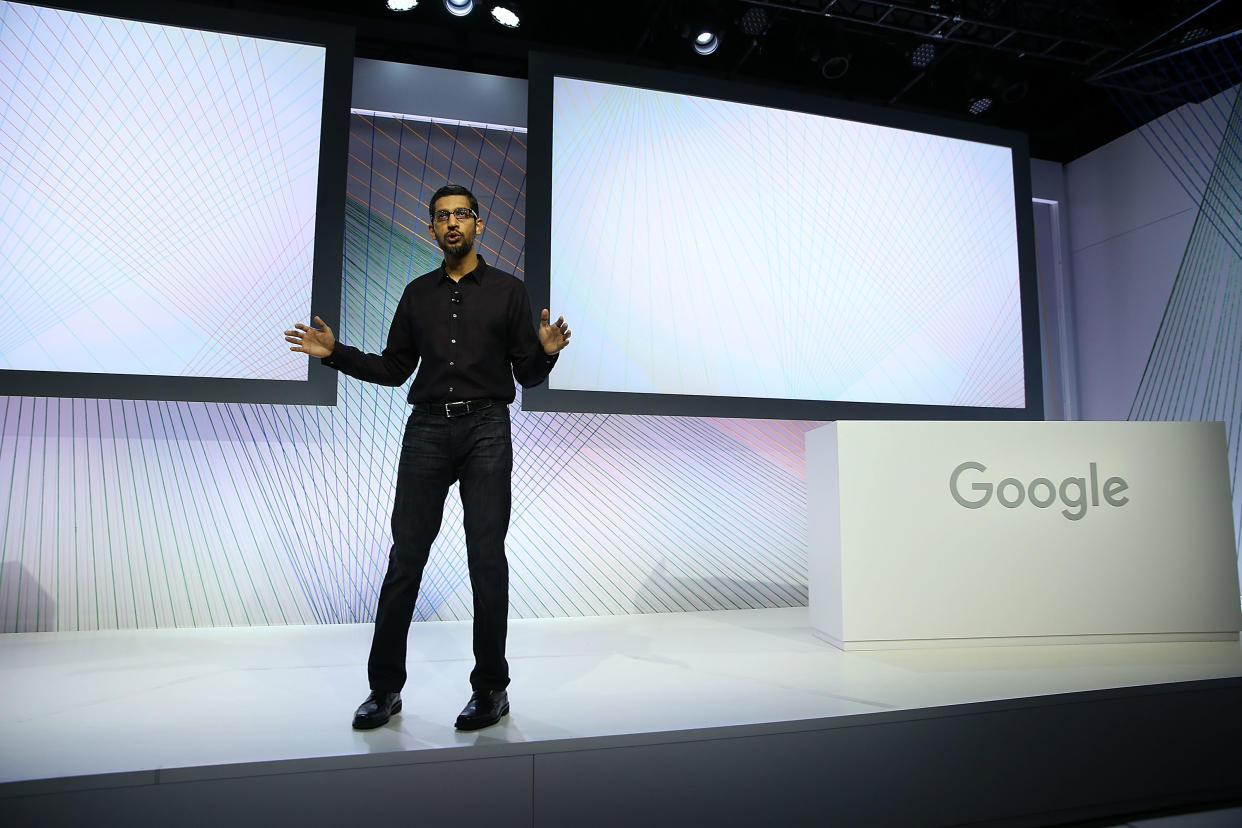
pixel 160 195
pixel 720 252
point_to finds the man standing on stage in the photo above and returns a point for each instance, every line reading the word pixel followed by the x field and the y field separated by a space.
pixel 468 329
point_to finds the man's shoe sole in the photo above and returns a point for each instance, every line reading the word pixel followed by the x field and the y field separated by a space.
pixel 479 724
pixel 371 724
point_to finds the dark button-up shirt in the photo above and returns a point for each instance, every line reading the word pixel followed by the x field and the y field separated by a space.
pixel 468 340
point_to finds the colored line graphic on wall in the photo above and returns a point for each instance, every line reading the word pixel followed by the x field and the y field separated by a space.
pixel 1194 371
pixel 125 514
pixel 157 195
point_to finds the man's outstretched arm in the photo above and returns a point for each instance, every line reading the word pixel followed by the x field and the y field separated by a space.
pixel 393 367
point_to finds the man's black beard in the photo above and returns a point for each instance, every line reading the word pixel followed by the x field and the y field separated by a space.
pixel 457 250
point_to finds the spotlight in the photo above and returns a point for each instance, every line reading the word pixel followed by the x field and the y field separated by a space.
pixel 978 106
pixel 1015 92
pixel 706 42
pixel 401 5
pixel 922 57
pixel 459 8
pixel 835 67
pixel 507 15
pixel 754 22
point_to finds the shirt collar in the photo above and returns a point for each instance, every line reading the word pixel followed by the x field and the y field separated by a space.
pixel 476 275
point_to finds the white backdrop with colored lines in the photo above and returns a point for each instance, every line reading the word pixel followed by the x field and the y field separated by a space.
pixel 157 195
pixel 709 247
pixel 123 514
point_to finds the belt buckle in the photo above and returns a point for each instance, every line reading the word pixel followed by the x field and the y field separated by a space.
pixel 450 413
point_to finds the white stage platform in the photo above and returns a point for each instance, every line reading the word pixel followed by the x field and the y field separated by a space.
pixel 656 718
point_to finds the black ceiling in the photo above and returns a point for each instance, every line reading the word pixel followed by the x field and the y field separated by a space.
pixel 1072 75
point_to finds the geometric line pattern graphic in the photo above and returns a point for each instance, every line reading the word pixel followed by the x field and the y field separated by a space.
pixel 142 514
pixel 157 195
pixel 1188 139
pixel 688 226
pixel 1194 371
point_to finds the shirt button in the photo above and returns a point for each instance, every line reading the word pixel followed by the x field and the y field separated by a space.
pixel 454 316
pixel 451 364
pixel 450 389
pixel 454 341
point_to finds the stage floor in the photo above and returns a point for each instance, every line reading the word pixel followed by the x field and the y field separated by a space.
pixel 77 704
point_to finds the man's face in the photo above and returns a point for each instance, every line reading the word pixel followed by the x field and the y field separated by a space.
pixel 455 236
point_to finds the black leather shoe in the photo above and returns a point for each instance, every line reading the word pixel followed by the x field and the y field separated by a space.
pixel 485 708
pixel 376 710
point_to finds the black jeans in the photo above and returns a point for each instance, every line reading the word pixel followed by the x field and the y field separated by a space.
pixel 476 449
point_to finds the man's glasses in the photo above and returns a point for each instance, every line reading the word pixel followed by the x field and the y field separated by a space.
pixel 461 214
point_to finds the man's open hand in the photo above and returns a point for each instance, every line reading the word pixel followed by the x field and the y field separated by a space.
pixel 317 341
pixel 553 337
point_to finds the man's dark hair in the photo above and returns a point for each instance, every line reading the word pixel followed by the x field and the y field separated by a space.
pixel 451 190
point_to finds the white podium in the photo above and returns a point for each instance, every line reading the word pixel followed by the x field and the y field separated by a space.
pixel 926 534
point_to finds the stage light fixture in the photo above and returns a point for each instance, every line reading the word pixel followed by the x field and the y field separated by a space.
pixel 835 67
pixel 978 106
pixel 1015 92
pixel 508 15
pixel 401 5
pixel 922 57
pixel 754 22
pixel 706 42
pixel 1197 33
pixel 459 8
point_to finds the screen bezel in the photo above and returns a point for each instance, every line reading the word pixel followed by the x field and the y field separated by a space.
pixel 545 67
pixel 319 387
